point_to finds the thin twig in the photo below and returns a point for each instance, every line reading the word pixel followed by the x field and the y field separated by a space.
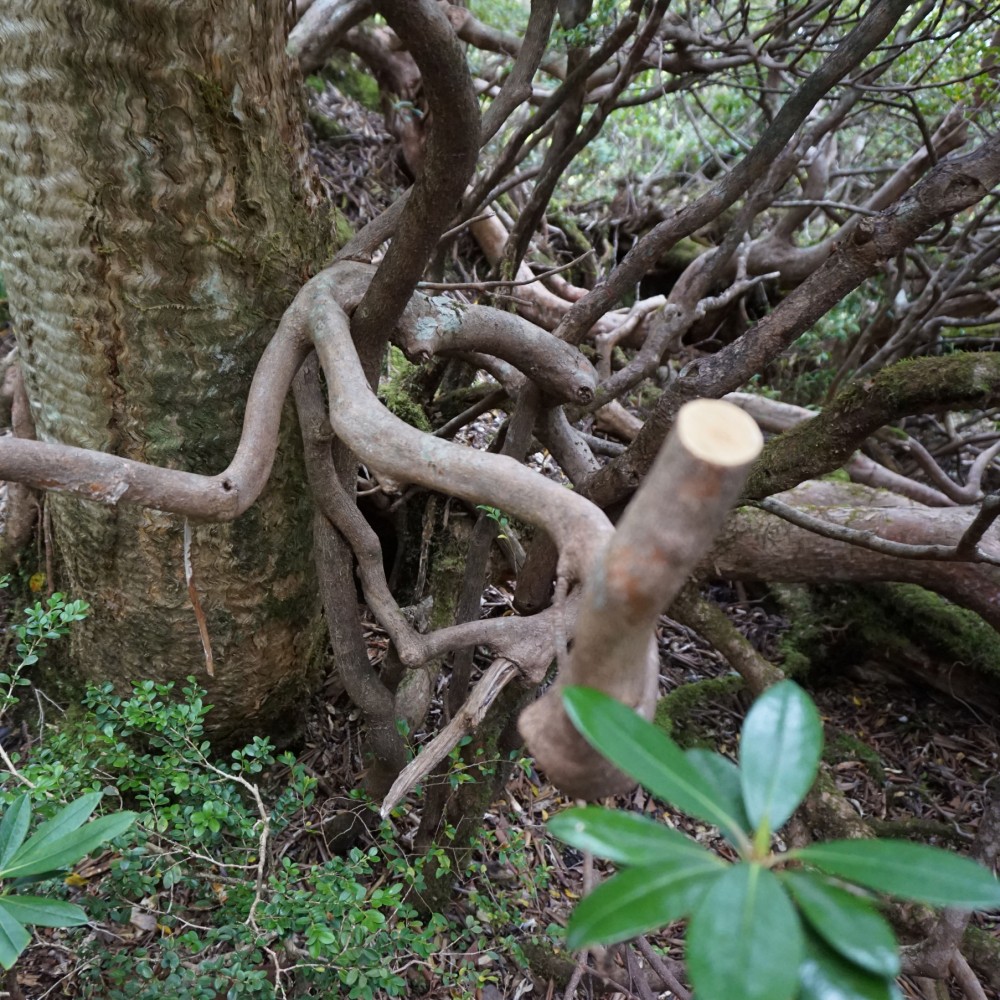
pixel 9 764
pixel 265 829
pixel 868 539
pixel 199 614
pixel 448 286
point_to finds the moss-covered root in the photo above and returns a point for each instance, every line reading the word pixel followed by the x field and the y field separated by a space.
pixel 829 815
pixel 982 950
pixel 917 385
pixel 707 620
pixel 912 631
pixel 676 714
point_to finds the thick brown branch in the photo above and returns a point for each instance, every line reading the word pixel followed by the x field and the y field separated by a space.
pixel 320 29
pixel 756 545
pixel 449 158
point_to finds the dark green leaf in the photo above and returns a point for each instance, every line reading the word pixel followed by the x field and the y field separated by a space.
pixel 41 912
pixel 910 871
pixel 723 777
pixel 639 900
pixel 647 754
pixel 13 938
pixel 780 748
pixel 14 828
pixel 849 924
pixel 825 975
pixel 745 939
pixel 67 850
pixel 625 838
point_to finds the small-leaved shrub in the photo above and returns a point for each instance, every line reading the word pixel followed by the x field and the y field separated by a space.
pixel 199 917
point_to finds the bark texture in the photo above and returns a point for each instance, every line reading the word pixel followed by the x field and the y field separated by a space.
pixel 157 216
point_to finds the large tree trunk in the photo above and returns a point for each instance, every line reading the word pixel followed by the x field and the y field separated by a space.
pixel 158 214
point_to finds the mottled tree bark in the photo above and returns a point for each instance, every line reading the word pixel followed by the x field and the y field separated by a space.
pixel 158 214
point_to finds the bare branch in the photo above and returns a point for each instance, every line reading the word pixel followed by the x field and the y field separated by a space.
pixel 486 691
pixel 869 540
pixel 873 29
pixel 644 565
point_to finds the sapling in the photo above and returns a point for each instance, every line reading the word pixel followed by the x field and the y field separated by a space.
pixel 773 925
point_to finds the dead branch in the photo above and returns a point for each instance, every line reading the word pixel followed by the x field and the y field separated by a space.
pixel 486 691
pixel 644 565
pixel 775 416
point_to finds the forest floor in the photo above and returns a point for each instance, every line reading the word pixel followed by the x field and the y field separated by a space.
pixel 912 762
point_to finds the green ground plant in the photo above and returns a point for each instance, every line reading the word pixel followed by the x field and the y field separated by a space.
pixel 222 878
pixel 800 923
pixel 63 839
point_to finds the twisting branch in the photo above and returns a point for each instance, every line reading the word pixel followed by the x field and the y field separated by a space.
pixel 968 493
pixel 320 29
pixel 449 158
pixel 104 478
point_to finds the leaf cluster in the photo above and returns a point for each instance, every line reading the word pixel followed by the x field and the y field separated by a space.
pixel 772 926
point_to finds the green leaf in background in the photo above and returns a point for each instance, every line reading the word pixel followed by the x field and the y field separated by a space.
pixel 37 911
pixel 909 871
pixel 13 939
pixel 625 838
pixel 723 777
pixel 647 754
pixel 780 748
pixel 847 923
pixel 68 819
pixel 824 975
pixel 14 827
pixel 745 939
pixel 68 849
pixel 638 900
